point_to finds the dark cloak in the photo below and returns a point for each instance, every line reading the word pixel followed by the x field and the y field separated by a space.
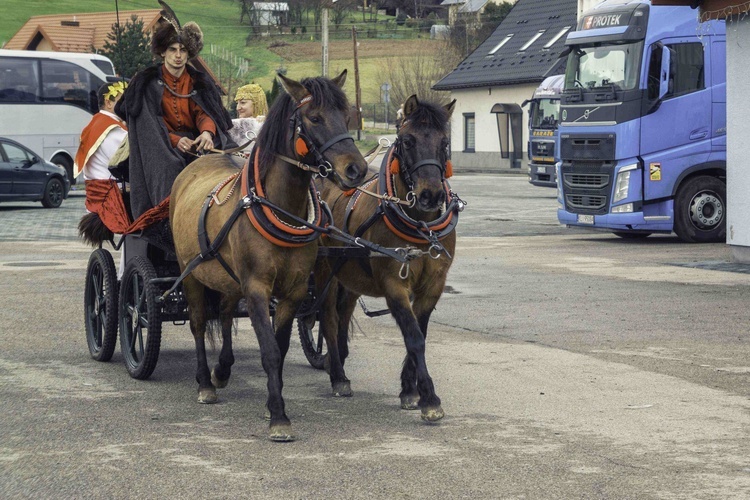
pixel 154 163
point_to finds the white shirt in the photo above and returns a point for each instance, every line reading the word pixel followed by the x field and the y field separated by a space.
pixel 98 165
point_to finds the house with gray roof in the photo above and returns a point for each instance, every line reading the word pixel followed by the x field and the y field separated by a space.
pixel 488 127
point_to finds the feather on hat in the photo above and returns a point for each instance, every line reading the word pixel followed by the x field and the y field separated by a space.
pixel 168 31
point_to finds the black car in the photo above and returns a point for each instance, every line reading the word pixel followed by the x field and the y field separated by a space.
pixel 25 176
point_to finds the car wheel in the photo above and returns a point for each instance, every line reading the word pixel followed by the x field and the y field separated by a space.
pixel 54 192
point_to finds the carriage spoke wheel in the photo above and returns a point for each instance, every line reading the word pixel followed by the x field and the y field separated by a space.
pixel 100 305
pixel 140 319
pixel 313 343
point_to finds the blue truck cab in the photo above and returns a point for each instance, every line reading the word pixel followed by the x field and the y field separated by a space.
pixel 643 123
pixel 544 117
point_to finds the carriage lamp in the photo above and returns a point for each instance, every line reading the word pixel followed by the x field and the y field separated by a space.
pixel 623 183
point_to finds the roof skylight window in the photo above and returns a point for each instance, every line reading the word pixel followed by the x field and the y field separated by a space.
pixel 557 37
pixel 499 45
pixel 533 39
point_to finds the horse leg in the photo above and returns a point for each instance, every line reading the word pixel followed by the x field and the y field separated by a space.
pixel 330 328
pixel 345 305
pixel 422 307
pixel 195 293
pixel 429 402
pixel 280 428
pixel 223 369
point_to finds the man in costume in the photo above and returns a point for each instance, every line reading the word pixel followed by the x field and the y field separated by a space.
pixel 173 112
pixel 102 136
pixel 100 140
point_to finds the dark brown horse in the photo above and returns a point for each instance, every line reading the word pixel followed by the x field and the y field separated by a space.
pixel 269 256
pixel 415 169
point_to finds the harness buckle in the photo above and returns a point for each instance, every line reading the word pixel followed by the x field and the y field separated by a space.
pixel 325 169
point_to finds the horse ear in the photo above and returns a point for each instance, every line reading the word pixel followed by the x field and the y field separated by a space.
pixel 340 80
pixel 293 88
pixel 449 108
pixel 410 105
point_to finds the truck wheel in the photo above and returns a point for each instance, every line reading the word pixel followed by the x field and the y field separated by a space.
pixel 700 214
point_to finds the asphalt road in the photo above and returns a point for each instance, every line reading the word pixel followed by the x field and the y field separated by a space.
pixel 571 364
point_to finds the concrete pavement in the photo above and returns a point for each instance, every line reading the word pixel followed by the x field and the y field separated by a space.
pixel 570 365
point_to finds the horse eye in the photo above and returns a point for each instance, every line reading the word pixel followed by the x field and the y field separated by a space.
pixel 315 119
pixel 409 141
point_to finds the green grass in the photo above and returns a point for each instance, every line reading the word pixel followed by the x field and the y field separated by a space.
pixel 219 20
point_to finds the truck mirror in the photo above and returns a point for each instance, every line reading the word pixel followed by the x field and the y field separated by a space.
pixel 665 72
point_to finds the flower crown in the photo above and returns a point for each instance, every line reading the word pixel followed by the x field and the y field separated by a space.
pixel 115 89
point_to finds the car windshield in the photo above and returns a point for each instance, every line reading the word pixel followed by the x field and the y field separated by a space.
pixel 604 66
pixel 545 113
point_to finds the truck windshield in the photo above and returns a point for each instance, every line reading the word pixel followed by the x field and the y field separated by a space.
pixel 600 66
pixel 545 113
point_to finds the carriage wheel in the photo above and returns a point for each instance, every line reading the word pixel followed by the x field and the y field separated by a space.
pixel 100 305
pixel 313 343
pixel 140 319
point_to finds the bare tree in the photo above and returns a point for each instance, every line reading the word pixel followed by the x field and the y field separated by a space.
pixel 417 74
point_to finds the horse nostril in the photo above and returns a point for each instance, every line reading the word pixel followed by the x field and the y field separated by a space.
pixel 425 198
pixel 440 198
pixel 353 172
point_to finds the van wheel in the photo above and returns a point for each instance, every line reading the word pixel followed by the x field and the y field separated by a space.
pixel 64 162
pixel 700 214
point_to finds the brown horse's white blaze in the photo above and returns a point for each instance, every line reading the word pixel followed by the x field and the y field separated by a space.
pixel 416 169
pixel 306 124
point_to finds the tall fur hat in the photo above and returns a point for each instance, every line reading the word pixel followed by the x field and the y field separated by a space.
pixel 168 31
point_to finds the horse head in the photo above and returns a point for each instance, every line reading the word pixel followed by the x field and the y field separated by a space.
pixel 422 147
pixel 316 111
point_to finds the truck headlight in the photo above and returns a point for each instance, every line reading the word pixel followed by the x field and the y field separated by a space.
pixel 623 183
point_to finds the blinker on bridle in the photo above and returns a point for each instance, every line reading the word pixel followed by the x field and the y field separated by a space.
pixel 304 146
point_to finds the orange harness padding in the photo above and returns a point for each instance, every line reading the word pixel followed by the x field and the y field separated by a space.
pixel 103 197
pixel 279 227
pixel 402 218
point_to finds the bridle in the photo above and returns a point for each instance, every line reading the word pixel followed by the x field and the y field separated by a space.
pixel 407 170
pixel 304 146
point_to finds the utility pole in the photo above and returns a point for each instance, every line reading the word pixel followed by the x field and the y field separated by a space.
pixel 357 89
pixel 324 40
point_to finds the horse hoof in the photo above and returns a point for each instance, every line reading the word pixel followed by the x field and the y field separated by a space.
pixel 410 402
pixel 432 414
pixel 281 433
pixel 267 415
pixel 207 396
pixel 342 389
pixel 219 384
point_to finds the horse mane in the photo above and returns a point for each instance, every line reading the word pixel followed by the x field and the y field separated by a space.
pixel 274 136
pixel 430 115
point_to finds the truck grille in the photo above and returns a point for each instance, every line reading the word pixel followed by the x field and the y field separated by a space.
pixel 586 202
pixel 596 181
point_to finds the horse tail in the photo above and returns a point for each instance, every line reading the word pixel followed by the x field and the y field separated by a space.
pixel 92 230
pixel 213 316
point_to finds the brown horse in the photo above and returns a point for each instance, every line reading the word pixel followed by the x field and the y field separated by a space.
pixel 414 169
pixel 270 252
